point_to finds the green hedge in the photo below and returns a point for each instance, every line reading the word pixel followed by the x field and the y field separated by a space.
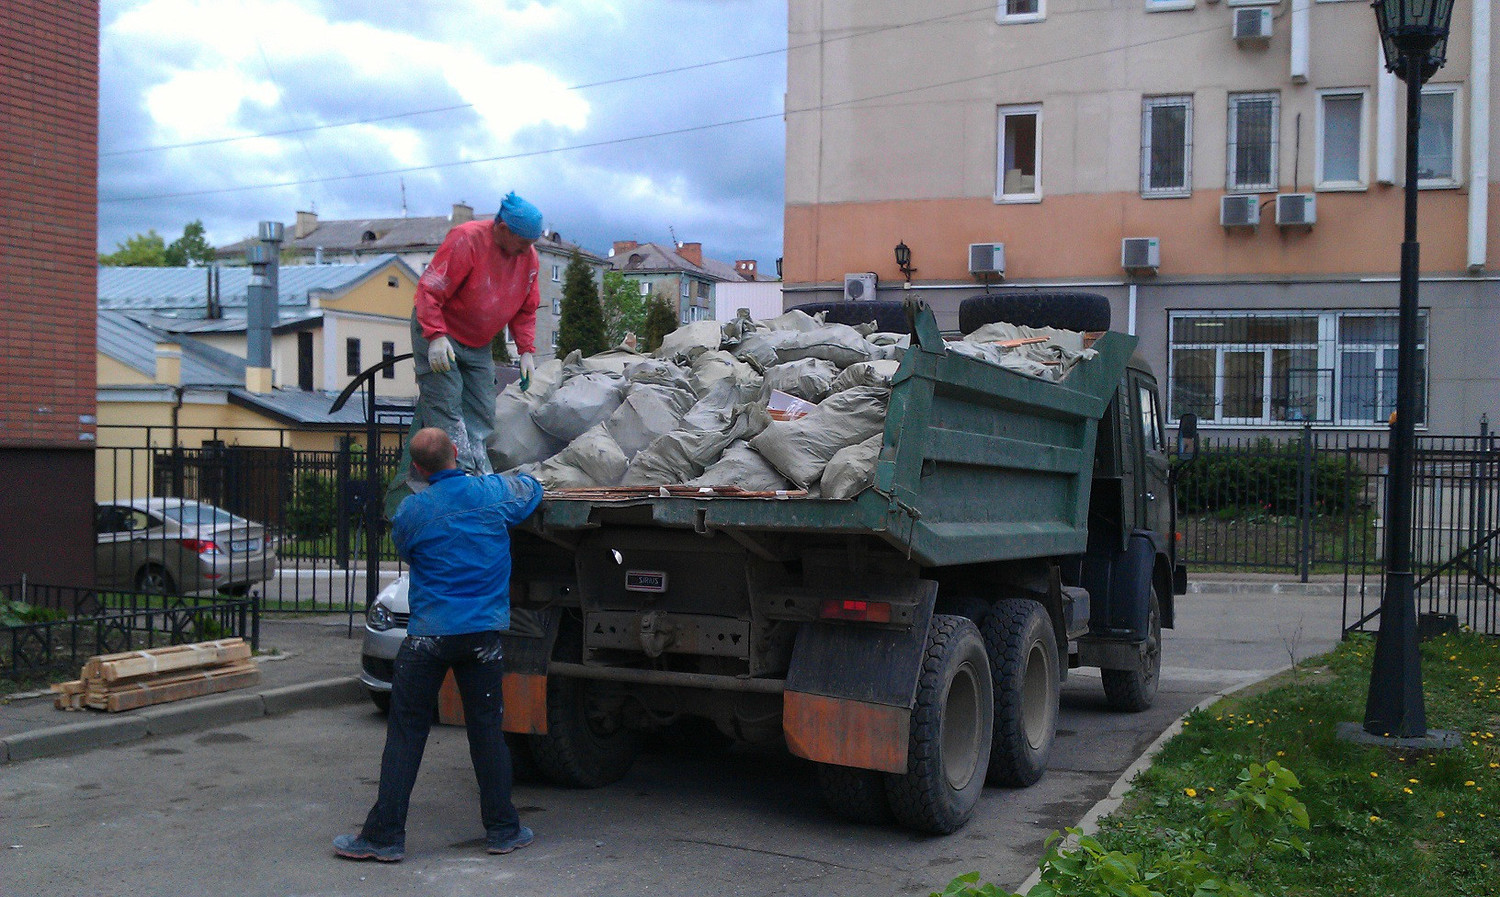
pixel 1266 477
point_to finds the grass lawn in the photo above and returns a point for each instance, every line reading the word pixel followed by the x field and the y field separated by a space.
pixel 1384 822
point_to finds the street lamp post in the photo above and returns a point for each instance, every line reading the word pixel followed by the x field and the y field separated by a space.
pixel 1415 37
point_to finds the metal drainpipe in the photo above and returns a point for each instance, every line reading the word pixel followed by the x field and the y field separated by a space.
pixel 1479 136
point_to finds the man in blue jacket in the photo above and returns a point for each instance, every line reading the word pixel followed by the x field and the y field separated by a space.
pixel 455 535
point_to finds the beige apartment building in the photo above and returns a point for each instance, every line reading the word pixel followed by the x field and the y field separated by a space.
pixel 1227 172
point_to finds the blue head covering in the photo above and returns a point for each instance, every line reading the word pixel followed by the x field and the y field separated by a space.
pixel 523 218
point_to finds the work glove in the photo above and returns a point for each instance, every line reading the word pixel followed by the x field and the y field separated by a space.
pixel 440 355
pixel 528 367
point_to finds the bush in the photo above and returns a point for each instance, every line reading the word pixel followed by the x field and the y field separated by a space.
pixel 314 510
pixel 1266 477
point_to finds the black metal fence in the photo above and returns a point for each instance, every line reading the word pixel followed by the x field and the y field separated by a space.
pixel 56 628
pixel 293 508
pixel 1314 504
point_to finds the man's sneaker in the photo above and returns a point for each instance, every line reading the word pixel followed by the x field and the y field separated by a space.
pixel 355 847
pixel 515 842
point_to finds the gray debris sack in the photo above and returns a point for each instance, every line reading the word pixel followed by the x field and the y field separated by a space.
pixel 711 366
pixel 1049 359
pixel 684 454
pixel 795 320
pixel 838 343
pixel 583 400
pixel 851 470
pixel 516 439
pixel 742 466
pixel 759 348
pixel 806 378
pixel 801 448
pixel 866 373
pixel 593 459
pixel 679 344
pixel 648 411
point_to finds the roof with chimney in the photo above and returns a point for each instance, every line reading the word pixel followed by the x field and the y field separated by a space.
pixel 309 233
pixel 133 344
pixel 310 408
pixel 183 292
pixel 630 257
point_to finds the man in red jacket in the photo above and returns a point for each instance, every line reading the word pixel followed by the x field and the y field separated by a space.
pixel 482 279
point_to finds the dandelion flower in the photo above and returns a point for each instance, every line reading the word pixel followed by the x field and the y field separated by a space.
pixel 1190 792
pixel 1441 814
pixel 1374 775
pixel 1469 783
pixel 1415 781
pixel 1407 790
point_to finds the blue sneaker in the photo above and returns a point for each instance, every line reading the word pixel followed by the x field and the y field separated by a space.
pixel 520 839
pixel 355 847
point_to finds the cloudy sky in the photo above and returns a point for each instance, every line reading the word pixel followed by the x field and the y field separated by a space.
pixel 238 111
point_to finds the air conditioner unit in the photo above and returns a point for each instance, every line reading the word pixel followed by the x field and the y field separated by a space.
pixel 1140 253
pixel 1296 209
pixel 1239 210
pixel 987 258
pixel 1253 23
pixel 859 287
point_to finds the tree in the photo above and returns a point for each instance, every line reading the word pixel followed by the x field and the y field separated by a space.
pixel 191 248
pixel 581 324
pixel 660 321
pixel 498 348
pixel 144 250
pixel 624 307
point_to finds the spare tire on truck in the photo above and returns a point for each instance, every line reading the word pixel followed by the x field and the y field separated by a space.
pixel 889 315
pixel 1065 311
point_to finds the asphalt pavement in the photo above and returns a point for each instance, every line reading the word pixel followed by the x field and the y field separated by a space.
pixel 248 788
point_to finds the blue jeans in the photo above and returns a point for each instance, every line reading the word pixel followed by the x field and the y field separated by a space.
pixel 421 665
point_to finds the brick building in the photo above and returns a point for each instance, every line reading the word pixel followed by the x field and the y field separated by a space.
pixel 49 102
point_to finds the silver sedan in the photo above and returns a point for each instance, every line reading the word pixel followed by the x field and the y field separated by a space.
pixel 179 547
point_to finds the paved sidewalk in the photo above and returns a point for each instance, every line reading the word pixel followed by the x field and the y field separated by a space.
pixel 305 661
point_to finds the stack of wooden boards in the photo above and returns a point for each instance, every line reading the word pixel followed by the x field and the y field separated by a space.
pixel 115 682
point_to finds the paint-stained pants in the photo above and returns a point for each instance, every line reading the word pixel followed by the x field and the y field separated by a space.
pixel 460 400
pixel 421 665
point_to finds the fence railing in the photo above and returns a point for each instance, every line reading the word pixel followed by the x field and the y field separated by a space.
pixel 299 534
pixel 79 623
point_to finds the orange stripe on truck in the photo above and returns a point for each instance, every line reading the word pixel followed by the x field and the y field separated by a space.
pixel 845 732
pixel 525 703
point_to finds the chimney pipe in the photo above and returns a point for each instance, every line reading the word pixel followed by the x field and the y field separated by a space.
pixel 691 252
pixel 307 222
pixel 261 301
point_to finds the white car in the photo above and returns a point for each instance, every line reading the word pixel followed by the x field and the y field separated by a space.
pixel 385 629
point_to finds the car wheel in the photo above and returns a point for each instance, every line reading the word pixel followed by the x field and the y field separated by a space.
pixel 1023 651
pixel 155 580
pixel 1133 691
pixel 951 725
pixel 381 700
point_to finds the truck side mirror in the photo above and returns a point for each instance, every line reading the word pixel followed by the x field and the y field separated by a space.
pixel 1187 438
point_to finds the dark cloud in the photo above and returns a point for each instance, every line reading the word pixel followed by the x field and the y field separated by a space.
pixel 722 187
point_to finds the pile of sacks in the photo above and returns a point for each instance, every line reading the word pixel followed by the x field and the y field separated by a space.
pixel 698 411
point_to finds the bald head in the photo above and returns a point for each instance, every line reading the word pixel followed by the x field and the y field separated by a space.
pixel 432 451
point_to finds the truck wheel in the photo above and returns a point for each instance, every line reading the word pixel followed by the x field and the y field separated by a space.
pixel 971 606
pixel 1135 690
pixel 1023 655
pixel 951 725
pixel 584 747
pixel 889 315
pixel 857 795
pixel 1068 311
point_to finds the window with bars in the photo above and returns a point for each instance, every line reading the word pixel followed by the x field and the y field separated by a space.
pixel 387 352
pixel 1278 368
pixel 351 357
pixel 1254 120
pixel 1166 146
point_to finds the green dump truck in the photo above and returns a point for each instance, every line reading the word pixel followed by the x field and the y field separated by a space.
pixel 910 641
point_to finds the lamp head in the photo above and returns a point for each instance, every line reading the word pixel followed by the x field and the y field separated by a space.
pixel 1414 31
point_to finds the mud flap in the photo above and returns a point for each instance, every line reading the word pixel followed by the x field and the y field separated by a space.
pixel 850 688
pixel 528 648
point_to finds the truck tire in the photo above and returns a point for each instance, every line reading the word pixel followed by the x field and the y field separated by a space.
pixel 1023 654
pixel 889 315
pixel 581 749
pixel 971 606
pixel 951 726
pixel 1067 311
pixel 857 795
pixel 1134 690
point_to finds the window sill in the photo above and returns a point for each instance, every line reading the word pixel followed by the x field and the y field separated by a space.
pixel 1017 199
pixel 1435 184
pixel 1026 19
pixel 1341 187
pixel 1165 194
pixel 1170 5
pixel 1248 191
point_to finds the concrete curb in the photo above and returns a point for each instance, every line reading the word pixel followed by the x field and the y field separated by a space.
pixel 175 719
pixel 1297 589
pixel 1089 824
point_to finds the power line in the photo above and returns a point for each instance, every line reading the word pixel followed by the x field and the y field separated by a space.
pixel 584 86
pixel 675 131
